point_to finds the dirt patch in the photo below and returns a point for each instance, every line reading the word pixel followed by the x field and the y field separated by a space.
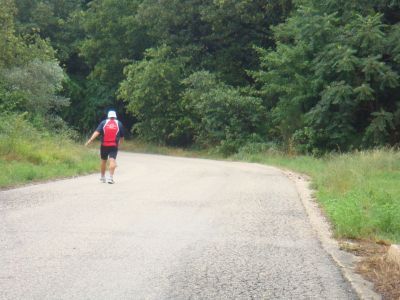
pixel 375 267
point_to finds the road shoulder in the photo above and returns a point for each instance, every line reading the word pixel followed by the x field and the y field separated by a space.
pixel 345 260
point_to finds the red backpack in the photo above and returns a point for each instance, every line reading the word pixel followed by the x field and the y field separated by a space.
pixel 110 131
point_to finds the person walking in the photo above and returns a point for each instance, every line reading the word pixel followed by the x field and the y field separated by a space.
pixel 112 134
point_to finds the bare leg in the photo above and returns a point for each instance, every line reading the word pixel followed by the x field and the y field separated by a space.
pixel 113 165
pixel 103 167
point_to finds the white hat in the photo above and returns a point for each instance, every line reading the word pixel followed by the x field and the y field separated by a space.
pixel 112 114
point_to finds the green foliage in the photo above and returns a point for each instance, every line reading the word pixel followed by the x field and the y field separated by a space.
pixel 221 116
pixel 383 122
pixel 11 100
pixel 30 82
pixel 151 90
pixel 70 26
pixel 30 77
pixel 96 39
pixel 8 41
pixel 16 50
pixel 121 38
pixel 55 20
pixel 89 102
pixel 37 83
pixel 327 72
pixel 332 79
pixel 106 37
pixel 217 35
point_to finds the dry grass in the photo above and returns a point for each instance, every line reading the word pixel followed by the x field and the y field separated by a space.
pixel 384 274
pixel 375 267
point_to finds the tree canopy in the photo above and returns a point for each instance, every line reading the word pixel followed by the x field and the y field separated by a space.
pixel 312 76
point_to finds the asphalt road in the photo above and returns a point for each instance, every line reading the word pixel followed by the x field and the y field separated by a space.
pixel 170 228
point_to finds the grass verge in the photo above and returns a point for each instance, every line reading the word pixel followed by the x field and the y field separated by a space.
pixel 27 154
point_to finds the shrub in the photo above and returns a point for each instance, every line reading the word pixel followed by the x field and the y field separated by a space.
pixel 221 116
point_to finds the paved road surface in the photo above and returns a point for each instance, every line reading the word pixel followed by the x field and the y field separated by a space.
pixel 170 228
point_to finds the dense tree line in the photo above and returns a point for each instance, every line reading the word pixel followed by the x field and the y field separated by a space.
pixel 307 75
pixel 30 75
pixel 332 81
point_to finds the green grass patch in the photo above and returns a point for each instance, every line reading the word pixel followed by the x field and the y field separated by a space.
pixel 28 154
pixel 46 163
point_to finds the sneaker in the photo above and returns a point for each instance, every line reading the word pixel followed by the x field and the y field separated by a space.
pixel 103 179
pixel 110 180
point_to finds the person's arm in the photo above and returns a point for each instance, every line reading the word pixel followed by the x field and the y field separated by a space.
pixel 92 138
